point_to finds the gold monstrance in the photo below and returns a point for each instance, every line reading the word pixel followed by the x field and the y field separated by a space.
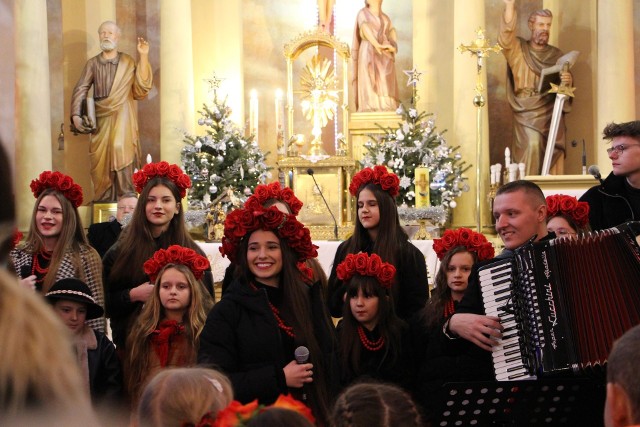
pixel 481 49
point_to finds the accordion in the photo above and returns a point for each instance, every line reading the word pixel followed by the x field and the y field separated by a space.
pixel 563 302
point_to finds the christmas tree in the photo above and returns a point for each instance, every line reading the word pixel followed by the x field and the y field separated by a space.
pixel 223 164
pixel 415 143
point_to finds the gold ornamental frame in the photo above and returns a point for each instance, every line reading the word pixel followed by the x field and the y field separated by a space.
pixel 292 51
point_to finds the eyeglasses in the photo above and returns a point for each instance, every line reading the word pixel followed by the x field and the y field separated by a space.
pixel 619 149
pixel 563 232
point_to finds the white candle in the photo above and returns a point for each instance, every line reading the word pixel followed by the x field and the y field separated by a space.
pixel 521 170
pixel 513 172
pixel 492 177
pixel 507 157
pixel 149 160
pixel 278 120
pixel 498 173
pixel 253 114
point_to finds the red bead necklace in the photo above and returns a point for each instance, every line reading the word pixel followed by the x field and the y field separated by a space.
pixel 367 343
pixel 449 308
pixel 276 313
pixel 38 270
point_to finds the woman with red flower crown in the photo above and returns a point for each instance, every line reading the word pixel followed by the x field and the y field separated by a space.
pixel 167 332
pixel 373 341
pixel 377 230
pixel 56 246
pixel 441 360
pixel 157 223
pixel 270 310
pixel 566 216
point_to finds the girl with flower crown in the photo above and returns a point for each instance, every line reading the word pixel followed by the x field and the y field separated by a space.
pixel 286 201
pixel 377 230
pixel 157 223
pixel 441 359
pixel 373 341
pixel 56 247
pixel 270 309
pixel 566 216
pixel 168 329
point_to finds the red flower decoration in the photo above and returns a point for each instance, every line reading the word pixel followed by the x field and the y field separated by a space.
pixel 236 414
pixel 473 241
pixel 379 175
pixel 561 204
pixel 364 264
pixel 288 402
pixel 266 192
pixel 176 254
pixel 172 172
pixel 242 222
pixel 59 182
pixel 307 272
pixel 17 236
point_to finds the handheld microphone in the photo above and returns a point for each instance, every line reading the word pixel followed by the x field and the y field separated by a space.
pixel 595 171
pixel 335 223
pixel 301 355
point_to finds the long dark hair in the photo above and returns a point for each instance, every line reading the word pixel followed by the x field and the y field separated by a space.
pixel 137 244
pixel 388 324
pixel 441 294
pixel 390 235
pixel 299 313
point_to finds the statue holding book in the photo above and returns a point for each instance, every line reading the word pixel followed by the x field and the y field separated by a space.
pixel 531 102
pixel 117 82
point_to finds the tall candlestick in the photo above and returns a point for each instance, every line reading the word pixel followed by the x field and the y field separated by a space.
pixel 253 114
pixel 279 115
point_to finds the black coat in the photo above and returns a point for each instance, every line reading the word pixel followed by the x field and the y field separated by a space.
pixel 241 337
pixel 609 204
pixel 105 371
pixel 103 235
pixel 410 294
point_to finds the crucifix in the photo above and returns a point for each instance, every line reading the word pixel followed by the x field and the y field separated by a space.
pixel 422 186
pixel 480 48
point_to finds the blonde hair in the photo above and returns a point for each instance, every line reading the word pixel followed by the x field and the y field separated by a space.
pixel 183 395
pixel 136 362
pixel 38 373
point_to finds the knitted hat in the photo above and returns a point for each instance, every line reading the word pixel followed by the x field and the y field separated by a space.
pixel 75 290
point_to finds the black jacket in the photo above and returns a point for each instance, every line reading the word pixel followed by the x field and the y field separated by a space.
pixel 410 294
pixel 241 337
pixel 609 203
pixel 105 371
pixel 103 235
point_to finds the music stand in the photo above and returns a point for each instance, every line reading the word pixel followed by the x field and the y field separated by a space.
pixel 546 402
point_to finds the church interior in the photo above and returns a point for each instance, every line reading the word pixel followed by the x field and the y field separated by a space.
pixel 245 46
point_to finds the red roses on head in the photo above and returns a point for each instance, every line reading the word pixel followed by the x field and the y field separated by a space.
pixel 265 192
pixel 60 182
pixel 237 414
pixel 366 265
pixel 172 172
pixel 473 241
pixel 242 222
pixel 379 175
pixel 176 254
pixel 561 204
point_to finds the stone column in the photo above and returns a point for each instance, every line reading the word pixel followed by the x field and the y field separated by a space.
pixel 615 73
pixel 176 78
pixel 468 16
pixel 33 114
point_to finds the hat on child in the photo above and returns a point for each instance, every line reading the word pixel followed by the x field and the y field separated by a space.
pixel 73 289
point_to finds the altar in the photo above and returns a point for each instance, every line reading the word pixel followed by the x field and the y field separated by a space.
pixel 326 253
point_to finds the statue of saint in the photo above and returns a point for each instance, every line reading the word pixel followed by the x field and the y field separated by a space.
pixel 373 52
pixel 117 82
pixel 532 111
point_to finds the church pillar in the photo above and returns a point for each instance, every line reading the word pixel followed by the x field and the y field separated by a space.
pixel 176 78
pixel 615 75
pixel 33 114
pixel 468 16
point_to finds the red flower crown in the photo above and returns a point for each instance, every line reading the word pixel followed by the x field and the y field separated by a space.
pixel 237 414
pixel 59 182
pixel 242 222
pixel 379 175
pixel 176 254
pixel 561 204
pixel 473 241
pixel 17 237
pixel 366 265
pixel 172 172
pixel 266 192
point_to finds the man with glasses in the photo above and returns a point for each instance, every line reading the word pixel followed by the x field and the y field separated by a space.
pixel 103 235
pixel 617 199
